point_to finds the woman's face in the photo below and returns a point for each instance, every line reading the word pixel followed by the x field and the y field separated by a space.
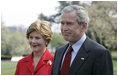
pixel 36 41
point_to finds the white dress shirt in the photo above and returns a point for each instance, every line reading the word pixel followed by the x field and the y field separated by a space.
pixel 76 48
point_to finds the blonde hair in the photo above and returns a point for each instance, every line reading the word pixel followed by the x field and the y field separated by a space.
pixel 42 27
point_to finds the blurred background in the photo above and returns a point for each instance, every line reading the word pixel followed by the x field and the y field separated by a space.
pixel 17 15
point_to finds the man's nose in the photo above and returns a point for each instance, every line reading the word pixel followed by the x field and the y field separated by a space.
pixel 65 27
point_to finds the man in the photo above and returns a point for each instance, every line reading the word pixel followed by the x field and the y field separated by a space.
pixel 86 56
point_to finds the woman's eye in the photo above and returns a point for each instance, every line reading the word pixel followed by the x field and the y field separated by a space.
pixel 37 37
pixel 30 37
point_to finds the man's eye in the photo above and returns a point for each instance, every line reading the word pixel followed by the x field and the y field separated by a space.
pixel 62 23
pixel 69 23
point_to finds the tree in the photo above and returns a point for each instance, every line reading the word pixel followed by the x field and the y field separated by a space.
pixel 4 42
pixel 57 40
pixel 13 43
pixel 102 25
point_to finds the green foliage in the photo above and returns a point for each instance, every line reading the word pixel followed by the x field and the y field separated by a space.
pixel 13 43
pixel 57 40
pixel 4 39
pixel 3 57
pixel 114 55
pixel 103 26
pixel 114 67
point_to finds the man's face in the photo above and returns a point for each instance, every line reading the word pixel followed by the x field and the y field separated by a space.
pixel 70 28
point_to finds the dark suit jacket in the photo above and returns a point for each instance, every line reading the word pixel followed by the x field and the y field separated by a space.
pixel 92 59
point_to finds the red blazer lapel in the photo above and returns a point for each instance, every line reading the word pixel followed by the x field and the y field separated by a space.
pixel 43 61
pixel 30 64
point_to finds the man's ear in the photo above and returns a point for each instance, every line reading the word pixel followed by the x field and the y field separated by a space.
pixel 84 27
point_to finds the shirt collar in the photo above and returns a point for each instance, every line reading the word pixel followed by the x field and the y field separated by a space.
pixel 78 44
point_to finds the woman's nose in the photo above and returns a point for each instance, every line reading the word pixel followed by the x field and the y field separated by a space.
pixel 33 40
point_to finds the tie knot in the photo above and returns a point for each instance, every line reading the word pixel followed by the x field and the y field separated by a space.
pixel 70 49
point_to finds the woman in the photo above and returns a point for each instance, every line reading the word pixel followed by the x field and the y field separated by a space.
pixel 39 62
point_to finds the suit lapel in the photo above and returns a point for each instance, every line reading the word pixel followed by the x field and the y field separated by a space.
pixel 79 59
pixel 60 57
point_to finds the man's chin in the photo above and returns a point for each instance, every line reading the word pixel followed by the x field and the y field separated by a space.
pixel 67 39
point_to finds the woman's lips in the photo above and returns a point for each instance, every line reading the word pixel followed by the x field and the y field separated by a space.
pixel 34 45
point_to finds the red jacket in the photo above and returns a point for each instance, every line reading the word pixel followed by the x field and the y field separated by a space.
pixel 25 66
